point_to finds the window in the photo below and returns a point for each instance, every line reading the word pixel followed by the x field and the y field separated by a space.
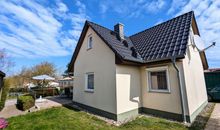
pixel 89 44
pixel 89 82
pixel 158 79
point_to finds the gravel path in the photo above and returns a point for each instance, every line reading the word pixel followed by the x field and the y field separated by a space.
pixel 214 120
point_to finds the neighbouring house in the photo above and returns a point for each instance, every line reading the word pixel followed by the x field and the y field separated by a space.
pixel 66 83
pixel 212 79
pixel 53 84
pixel 2 75
pixel 157 71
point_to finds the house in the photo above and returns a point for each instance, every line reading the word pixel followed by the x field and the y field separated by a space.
pixel 2 75
pixel 66 83
pixel 157 71
pixel 212 79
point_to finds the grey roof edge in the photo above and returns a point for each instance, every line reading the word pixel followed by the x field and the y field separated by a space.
pixel 157 60
pixel 2 73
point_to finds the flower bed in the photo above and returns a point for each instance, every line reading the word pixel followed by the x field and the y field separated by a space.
pixel 3 123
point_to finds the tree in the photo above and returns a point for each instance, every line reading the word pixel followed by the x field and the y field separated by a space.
pixel 5 61
pixel 4 94
pixel 44 68
pixel 66 72
pixel 26 74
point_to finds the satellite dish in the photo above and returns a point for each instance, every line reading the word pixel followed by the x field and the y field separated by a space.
pixel 199 43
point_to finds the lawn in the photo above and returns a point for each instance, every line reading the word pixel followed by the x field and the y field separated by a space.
pixel 62 118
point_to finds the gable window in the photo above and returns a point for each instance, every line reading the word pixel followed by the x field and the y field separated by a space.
pixel 89 82
pixel 158 79
pixel 90 42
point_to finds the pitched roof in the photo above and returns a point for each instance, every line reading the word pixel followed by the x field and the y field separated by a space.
pixel 115 43
pixel 166 40
pixel 161 42
pixel 2 74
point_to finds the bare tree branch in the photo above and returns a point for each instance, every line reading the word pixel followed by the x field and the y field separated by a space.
pixel 5 61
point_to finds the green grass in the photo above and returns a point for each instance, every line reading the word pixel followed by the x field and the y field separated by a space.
pixel 152 123
pixel 62 118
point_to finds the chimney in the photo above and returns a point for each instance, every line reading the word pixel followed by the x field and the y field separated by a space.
pixel 119 28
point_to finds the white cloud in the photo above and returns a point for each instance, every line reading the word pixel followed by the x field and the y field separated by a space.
pixel 62 7
pixel 81 6
pixel 103 8
pixel 208 20
pixel 176 4
pixel 154 6
pixel 158 22
pixel 131 8
pixel 32 30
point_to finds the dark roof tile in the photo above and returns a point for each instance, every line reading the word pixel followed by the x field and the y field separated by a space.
pixel 168 39
pixel 161 42
pixel 110 37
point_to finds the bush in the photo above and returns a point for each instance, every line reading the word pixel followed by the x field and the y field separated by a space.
pixel 20 90
pixel 5 90
pixel 25 102
pixel 45 91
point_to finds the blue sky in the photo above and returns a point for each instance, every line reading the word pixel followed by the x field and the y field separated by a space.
pixel 48 30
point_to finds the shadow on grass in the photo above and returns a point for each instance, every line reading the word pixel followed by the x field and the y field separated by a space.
pixel 61 100
pixel 65 102
pixel 71 108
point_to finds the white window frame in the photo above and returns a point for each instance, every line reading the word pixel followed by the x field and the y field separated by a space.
pixel 89 46
pixel 86 82
pixel 156 69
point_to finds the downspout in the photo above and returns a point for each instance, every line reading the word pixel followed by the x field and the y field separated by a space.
pixel 73 84
pixel 181 89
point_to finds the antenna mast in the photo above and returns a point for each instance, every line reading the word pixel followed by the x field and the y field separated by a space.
pixel 213 44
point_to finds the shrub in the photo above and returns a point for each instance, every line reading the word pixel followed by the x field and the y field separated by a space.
pixel 5 90
pixel 25 102
pixel 20 90
pixel 45 91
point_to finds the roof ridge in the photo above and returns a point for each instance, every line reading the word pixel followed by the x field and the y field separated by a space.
pixel 126 37
pixel 98 25
pixel 161 23
pixel 90 22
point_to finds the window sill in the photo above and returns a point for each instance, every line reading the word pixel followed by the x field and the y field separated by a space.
pixel 89 48
pixel 159 91
pixel 89 91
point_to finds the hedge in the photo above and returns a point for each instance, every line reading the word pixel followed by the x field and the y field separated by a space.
pixel 21 90
pixel 45 91
pixel 25 102
pixel 5 90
